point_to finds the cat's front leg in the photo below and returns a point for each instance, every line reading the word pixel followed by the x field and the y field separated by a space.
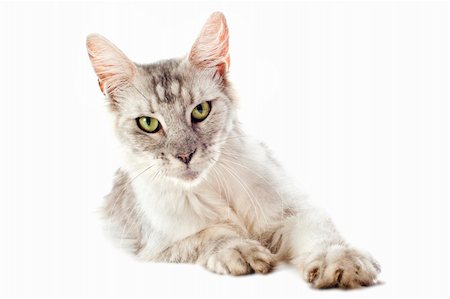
pixel 311 243
pixel 223 249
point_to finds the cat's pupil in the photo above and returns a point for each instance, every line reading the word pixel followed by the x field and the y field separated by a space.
pixel 200 109
pixel 148 120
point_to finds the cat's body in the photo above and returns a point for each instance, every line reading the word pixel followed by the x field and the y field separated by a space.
pixel 194 188
pixel 243 187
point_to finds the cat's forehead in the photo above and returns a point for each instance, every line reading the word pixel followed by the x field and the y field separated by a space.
pixel 165 80
pixel 172 81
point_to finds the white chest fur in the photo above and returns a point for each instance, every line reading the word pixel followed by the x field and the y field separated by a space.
pixel 175 213
pixel 246 192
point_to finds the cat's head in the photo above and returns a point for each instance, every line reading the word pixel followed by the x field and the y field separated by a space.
pixel 171 116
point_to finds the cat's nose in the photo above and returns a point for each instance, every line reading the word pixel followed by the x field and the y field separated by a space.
pixel 185 157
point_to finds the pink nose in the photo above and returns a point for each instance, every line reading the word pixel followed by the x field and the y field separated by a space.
pixel 185 157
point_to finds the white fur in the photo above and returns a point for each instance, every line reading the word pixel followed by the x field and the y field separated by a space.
pixel 239 183
pixel 258 190
pixel 253 184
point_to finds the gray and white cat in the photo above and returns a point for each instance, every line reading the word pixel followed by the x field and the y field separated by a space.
pixel 194 188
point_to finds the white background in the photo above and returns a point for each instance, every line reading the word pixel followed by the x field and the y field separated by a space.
pixel 352 97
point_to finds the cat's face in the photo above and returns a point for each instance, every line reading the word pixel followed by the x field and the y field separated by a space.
pixel 171 116
pixel 175 117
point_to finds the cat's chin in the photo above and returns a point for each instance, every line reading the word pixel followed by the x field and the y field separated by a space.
pixel 188 178
pixel 190 175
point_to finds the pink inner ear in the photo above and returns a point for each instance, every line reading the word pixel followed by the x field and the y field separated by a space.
pixel 211 47
pixel 102 88
pixel 113 68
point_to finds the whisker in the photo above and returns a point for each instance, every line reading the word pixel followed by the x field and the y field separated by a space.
pixel 280 197
pixel 250 194
pixel 219 183
pixel 233 137
pixel 128 218
pixel 119 196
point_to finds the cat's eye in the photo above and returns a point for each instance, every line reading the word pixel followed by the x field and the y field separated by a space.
pixel 148 124
pixel 201 111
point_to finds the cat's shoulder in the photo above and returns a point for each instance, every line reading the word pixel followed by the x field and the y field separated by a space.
pixel 121 193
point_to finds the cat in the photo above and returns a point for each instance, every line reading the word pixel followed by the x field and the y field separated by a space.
pixel 194 188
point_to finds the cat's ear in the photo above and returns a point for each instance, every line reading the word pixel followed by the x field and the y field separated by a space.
pixel 114 70
pixel 210 50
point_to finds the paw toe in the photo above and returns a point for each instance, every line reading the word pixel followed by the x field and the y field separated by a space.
pixel 341 268
pixel 243 258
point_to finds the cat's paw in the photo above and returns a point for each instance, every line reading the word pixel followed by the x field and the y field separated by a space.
pixel 340 267
pixel 240 257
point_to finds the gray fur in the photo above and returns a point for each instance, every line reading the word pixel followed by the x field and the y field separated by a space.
pixel 230 208
pixel 170 88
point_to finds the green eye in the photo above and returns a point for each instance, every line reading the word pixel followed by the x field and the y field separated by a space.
pixel 201 111
pixel 148 124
